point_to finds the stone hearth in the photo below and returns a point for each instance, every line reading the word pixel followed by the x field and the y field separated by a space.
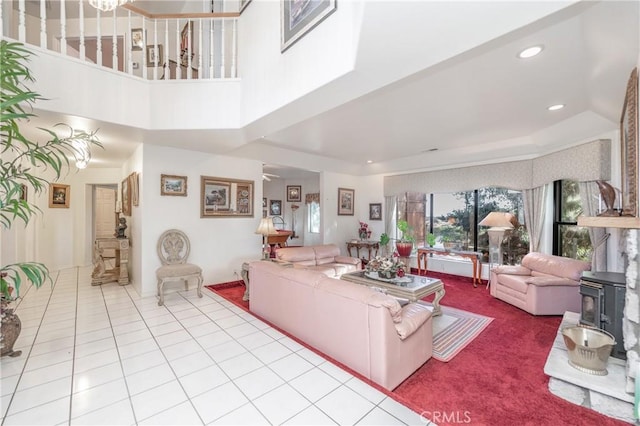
pixel 604 394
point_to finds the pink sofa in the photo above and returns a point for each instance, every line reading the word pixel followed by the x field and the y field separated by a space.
pixel 324 258
pixel 363 329
pixel 542 285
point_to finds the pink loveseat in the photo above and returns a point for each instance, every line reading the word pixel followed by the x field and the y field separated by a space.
pixel 363 329
pixel 323 258
pixel 542 285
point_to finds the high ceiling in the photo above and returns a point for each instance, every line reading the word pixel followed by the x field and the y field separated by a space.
pixel 482 105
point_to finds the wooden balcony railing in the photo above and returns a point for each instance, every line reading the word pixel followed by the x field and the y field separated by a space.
pixel 128 39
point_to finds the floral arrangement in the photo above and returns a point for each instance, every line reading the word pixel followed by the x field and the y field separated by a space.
pixel 386 266
pixel 363 231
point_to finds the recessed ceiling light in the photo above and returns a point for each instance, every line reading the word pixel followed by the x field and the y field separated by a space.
pixel 369 161
pixel 530 52
pixel 555 107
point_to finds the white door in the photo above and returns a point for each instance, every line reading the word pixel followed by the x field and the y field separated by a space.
pixel 105 216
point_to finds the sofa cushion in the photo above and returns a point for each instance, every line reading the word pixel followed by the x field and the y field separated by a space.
pixel 362 294
pixel 297 254
pixel 512 270
pixel 556 265
pixel 551 280
pixel 413 316
pixel 515 282
pixel 326 251
pixel 327 270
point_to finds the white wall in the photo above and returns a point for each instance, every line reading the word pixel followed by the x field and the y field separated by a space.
pixel 218 245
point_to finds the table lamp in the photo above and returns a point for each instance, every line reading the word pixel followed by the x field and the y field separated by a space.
pixel 498 223
pixel 266 228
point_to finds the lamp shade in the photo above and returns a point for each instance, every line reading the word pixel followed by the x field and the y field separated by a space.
pixel 266 227
pixel 497 220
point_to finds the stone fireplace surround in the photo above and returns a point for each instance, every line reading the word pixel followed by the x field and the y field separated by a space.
pixel 612 395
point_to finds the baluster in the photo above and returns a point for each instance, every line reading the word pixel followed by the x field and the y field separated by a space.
pixel 155 43
pixel 234 49
pixel 222 42
pixel 99 38
pixel 189 46
pixel 211 28
pixel 22 30
pixel 200 50
pixel 63 28
pixel 43 24
pixel 114 41
pixel 178 47
pixel 81 19
pixel 166 45
pixel 129 45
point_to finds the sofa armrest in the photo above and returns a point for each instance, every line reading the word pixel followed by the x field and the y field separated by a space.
pixel 413 317
pixel 551 281
pixel 348 260
pixel 511 270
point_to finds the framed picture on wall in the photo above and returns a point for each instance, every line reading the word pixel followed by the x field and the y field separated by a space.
pixel 154 55
pixel 275 207
pixel 225 197
pixel 345 201
pixel 375 211
pixel 629 147
pixel 173 185
pixel 294 193
pixel 300 17
pixel 133 184
pixel 59 195
pixel 137 39
pixel 125 197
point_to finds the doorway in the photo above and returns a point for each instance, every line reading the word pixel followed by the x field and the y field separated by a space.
pixel 104 215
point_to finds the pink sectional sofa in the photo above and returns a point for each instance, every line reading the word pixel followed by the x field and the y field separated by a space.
pixel 542 285
pixel 363 329
pixel 324 258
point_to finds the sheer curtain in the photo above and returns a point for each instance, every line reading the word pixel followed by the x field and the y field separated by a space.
pixel 589 193
pixel 534 210
pixel 390 203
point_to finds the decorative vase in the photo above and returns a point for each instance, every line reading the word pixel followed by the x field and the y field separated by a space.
pixel 363 236
pixel 387 274
pixel 10 330
pixel 404 248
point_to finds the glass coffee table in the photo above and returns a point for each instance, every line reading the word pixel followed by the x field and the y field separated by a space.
pixel 411 287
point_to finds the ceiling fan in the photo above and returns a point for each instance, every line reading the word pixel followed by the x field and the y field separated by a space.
pixel 268 176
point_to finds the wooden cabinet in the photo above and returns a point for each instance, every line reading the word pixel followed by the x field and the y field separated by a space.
pixel 105 271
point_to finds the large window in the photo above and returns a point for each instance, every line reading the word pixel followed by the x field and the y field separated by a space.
pixel 453 219
pixel 569 240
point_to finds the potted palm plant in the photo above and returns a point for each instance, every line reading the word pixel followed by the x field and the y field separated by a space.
pixel 405 244
pixel 22 163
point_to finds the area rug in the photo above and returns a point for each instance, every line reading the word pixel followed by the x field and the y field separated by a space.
pixel 452 331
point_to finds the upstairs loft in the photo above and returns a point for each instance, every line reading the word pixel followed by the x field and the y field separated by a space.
pixel 237 93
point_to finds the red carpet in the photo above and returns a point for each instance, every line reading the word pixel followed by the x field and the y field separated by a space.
pixel 497 380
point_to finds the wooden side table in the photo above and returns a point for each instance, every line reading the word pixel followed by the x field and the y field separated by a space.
pixel 245 274
pixel 474 256
pixel 368 245
pixel 120 272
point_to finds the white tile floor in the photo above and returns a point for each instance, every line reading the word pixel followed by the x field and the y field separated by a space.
pixel 104 355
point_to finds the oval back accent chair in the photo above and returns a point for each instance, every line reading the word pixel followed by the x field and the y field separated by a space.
pixel 173 250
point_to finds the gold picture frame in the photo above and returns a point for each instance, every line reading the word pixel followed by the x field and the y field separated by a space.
pixel 59 196
pixel 346 200
pixel 223 197
pixel 134 186
pixel 629 148
pixel 125 196
pixel 173 185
